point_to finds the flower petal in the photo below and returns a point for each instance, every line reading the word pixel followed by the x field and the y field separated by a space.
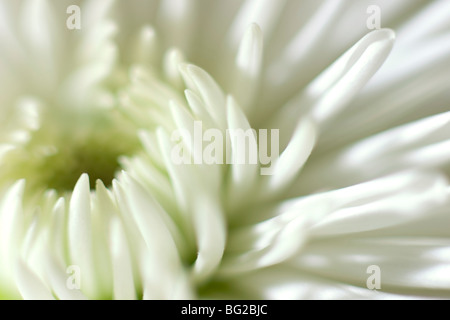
pixel 301 48
pixel 42 37
pixel 177 20
pixel 172 59
pixel 80 234
pixel 248 67
pixel 405 263
pixel 420 144
pixel 29 284
pixel 121 262
pixel 243 175
pixel 415 200
pixel 11 223
pixel 285 282
pixel 210 227
pixel 334 88
pixel 146 46
pixel 410 32
pixel 272 241
pixel 263 12
pixel 289 164
pixel 58 278
pixel 211 93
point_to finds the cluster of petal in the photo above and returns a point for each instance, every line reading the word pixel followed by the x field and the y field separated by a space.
pixel 362 177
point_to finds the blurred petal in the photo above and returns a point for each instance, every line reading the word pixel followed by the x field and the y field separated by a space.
pixel 405 263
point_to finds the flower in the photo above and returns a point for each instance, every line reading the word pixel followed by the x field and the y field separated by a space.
pixel 93 205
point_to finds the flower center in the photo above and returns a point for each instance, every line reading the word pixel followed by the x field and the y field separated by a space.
pixel 67 144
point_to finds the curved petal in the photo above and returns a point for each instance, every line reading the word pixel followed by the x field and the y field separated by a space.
pixel 407 265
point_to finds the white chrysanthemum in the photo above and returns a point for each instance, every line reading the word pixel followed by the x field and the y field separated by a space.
pixel 89 191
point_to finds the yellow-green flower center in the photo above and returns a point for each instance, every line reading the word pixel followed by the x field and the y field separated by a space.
pixel 67 144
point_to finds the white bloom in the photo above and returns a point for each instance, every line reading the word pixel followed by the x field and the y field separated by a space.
pixel 361 180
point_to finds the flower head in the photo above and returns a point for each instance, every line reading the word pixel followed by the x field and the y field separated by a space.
pixel 106 193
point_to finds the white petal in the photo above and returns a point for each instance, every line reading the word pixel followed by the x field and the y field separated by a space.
pixel 203 215
pixel 150 144
pixel 334 88
pixel 419 198
pixel 284 244
pixel 183 289
pixel 176 173
pixel 419 96
pixel 57 237
pixel 427 22
pixel 350 73
pixel 177 20
pixel 5 149
pixel 159 259
pixel 301 49
pixel 203 212
pixel 198 108
pixel 212 95
pixel 147 87
pixel 146 46
pixel 96 11
pixel 58 278
pixel 287 283
pixel 401 140
pixel 121 261
pixel 154 180
pixel 421 144
pixel 40 33
pixel 32 238
pixel 408 263
pixel 80 234
pixel 172 59
pixel 435 224
pixel 426 55
pixel 95 40
pixel 29 109
pixel 11 48
pixel 11 222
pixel 211 231
pixel 158 284
pixel 272 241
pixel 290 162
pixel 80 85
pixel 188 81
pixel 103 210
pixel 153 222
pixel 263 12
pixel 185 123
pixel 29 284
pixel 243 176
pixel 248 66
pixel 131 104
